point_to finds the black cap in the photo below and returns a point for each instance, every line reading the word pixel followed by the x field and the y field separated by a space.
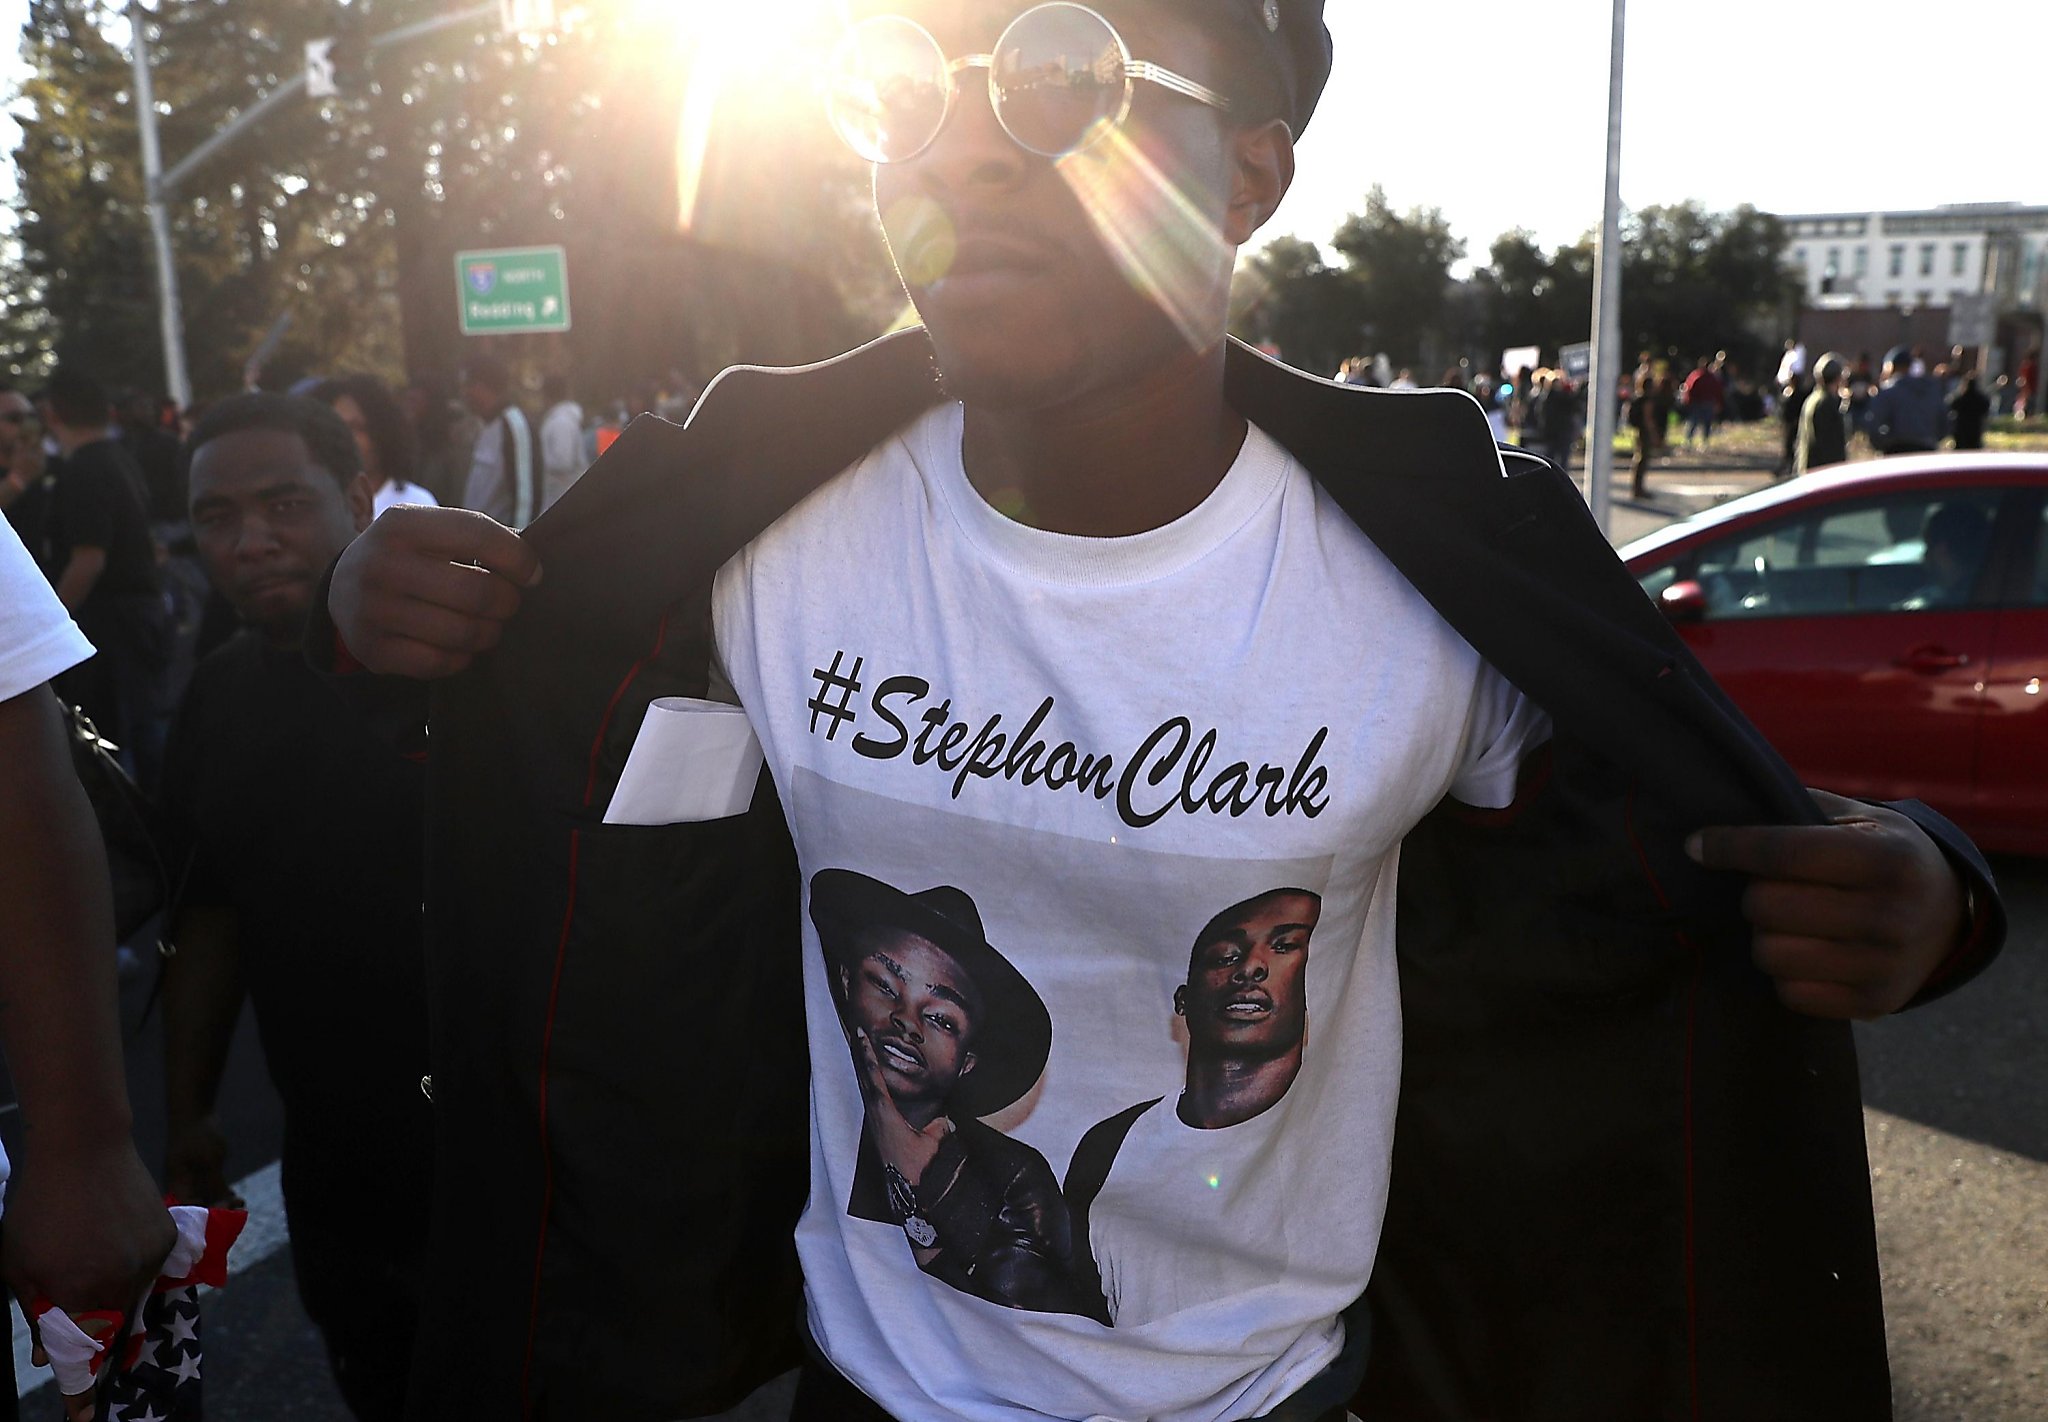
pixel 1295 43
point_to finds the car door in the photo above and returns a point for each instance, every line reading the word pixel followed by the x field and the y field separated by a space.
pixel 2010 807
pixel 1856 635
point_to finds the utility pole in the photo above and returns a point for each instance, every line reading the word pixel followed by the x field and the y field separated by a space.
pixel 1605 379
pixel 177 383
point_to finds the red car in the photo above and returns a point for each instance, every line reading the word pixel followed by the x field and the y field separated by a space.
pixel 1886 625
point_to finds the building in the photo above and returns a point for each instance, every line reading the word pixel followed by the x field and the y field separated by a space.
pixel 1966 274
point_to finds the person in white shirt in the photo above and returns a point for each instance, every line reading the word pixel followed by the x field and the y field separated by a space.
pixel 504 471
pixel 562 461
pixel 84 1226
pixel 384 439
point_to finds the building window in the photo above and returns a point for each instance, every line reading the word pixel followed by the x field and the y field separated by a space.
pixel 1834 261
pixel 1961 253
pixel 1891 298
pixel 1799 255
pixel 1862 261
pixel 1927 259
pixel 1898 263
pixel 1925 298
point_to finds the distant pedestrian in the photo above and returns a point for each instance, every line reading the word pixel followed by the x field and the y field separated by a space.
pixel 384 439
pixel 1823 427
pixel 504 466
pixel 106 573
pixel 1968 409
pixel 299 835
pixel 561 441
pixel 1791 406
pixel 2027 389
pixel 1701 397
pixel 1906 415
pixel 1792 367
pixel 25 478
pixel 1648 423
pixel 155 452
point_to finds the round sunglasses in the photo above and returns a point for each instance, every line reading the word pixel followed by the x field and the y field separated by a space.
pixel 1060 80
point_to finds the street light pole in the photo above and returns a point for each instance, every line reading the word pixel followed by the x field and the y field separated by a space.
pixel 177 383
pixel 1607 356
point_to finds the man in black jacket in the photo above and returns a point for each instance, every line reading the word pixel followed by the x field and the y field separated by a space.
pixel 1627 1165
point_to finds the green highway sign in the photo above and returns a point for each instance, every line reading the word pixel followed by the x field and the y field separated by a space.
pixel 514 291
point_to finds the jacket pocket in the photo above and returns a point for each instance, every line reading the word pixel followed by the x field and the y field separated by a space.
pixel 676 1103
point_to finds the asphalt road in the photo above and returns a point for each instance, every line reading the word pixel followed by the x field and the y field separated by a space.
pixel 1956 1119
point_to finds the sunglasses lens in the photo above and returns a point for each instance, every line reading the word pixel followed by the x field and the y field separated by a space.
pixel 889 88
pixel 1059 79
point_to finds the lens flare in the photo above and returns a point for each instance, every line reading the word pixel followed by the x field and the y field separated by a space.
pixel 752 46
pixel 1167 249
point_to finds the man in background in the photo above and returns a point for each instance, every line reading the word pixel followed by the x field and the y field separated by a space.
pixel 24 472
pixel 1906 416
pixel 504 469
pixel 1968 408
pixel 303 836
pixel 561 441
pixel 106 573
pixel 1823 427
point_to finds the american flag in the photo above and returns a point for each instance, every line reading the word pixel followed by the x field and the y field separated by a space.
pixel 162 1385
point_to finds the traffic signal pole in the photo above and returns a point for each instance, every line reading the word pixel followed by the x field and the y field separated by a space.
pixel 177 383
pixel 1605 380
pixel 160 187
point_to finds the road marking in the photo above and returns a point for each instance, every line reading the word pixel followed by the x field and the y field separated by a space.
pixel 262 1237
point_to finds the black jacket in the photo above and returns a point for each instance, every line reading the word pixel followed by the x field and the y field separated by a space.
pixel 1627 1183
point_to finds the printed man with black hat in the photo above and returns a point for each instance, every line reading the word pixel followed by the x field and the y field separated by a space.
pixel 1115 619
pixel 943 1031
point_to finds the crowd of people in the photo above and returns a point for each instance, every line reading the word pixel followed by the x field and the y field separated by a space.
pixel 96 488
pixel 188 549
pixel 1900 406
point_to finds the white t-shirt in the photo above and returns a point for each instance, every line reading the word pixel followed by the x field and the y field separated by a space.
pixel 1085 823
pixel 38 639
pixel 397 491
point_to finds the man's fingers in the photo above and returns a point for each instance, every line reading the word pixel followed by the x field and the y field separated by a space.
pixel 455 632
pixel 465 536
pixel 1814 911
pixel 1854 853
pixel 1790 958
pixel 405 656
pixel 1835 1001
pixel 474 592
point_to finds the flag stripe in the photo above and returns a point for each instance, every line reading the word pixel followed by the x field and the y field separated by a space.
pixel 263 1237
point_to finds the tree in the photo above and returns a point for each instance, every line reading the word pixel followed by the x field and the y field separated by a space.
pixel 345 213
pixel 1401 263
pixel 1288 295
pixel 1694 282
pixel 1533 297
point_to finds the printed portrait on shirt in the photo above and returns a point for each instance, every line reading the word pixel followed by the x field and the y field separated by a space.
pixel 1244 1008
pixel 943 1030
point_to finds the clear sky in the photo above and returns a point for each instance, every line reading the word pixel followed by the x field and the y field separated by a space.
pixel 1495 110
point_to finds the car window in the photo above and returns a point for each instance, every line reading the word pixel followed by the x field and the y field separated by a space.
pixel 1909 552
pixel 2037 588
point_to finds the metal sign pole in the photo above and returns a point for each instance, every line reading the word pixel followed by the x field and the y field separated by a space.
pixel 177 383
pixel 1607 353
